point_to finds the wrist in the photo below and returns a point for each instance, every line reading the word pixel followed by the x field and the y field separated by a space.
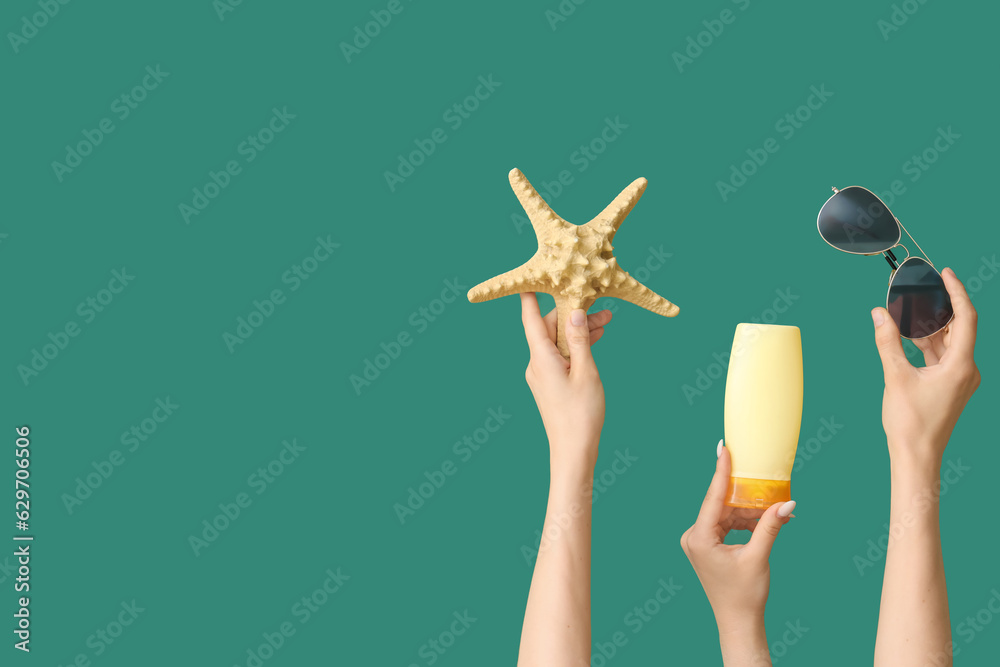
pixel 916 461
pixel 741 626
pixel 573 454
pixel 743 641
pixel 571 470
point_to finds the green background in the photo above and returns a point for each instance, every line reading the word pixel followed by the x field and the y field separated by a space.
pixel 323 176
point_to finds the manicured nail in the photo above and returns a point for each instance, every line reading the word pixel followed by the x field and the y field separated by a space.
pixel 786 509
pixel 577 317
pixel 718 450
pixel 878 317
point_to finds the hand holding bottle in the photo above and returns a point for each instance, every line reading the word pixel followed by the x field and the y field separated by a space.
pixel 736 577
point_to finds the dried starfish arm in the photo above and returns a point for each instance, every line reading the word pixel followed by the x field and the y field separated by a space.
pixel 625 287
pixel 515 281
pixel 616 212
pixel 539 212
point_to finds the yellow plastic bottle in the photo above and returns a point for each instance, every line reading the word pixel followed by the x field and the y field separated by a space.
pixel 763 413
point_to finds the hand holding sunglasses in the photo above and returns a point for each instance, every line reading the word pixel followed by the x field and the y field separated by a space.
pixel 921 405
pixel 856 221
pixel 920 408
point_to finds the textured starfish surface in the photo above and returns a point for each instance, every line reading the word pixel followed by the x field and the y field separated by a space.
pixel 574 263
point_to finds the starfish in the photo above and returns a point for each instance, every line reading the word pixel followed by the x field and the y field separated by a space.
pixel 573 263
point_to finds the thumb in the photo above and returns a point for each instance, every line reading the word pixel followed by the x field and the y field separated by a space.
pixel 890 348
pixel 768 527
pixel 578 340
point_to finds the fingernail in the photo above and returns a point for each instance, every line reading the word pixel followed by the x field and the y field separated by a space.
pixel 878 317
pixel 718 450
pixel 786 509
pixel 577 317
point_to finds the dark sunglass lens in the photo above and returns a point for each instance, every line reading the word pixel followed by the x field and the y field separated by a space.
pixel 855 220
pixel 918 301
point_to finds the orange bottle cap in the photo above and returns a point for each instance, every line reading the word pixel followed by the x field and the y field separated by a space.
pixel 757 493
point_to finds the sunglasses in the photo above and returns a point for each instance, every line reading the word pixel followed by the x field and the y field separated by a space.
pixel 855 220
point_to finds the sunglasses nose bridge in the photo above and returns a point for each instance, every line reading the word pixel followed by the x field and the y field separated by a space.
pixel 891 259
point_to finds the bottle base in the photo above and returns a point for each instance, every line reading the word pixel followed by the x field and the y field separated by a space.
pixel 757 493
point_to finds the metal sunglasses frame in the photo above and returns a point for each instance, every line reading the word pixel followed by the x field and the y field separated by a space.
pixel 887 253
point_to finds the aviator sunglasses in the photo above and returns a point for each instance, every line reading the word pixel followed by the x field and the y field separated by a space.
pixel 855 220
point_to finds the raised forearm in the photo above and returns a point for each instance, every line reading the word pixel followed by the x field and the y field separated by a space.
pixel 556 629
pixel 744 644
pixel 913 618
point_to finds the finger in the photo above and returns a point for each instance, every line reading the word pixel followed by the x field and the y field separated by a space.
pixel 938 343
pixel 541 346
pixel 596 334
pixel 890 349
pixel 595 322
pixel 745 518
pixel 598 319
pixel 963 326
pixel 715 500
pixel 551 325
pixel 926 345
pixel 768 528
pixel 531 318
pixel 578 341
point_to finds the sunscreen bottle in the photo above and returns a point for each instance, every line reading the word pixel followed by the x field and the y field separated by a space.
pixel 763 413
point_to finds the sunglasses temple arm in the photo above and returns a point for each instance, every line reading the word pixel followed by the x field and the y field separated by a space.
pixel 915 242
